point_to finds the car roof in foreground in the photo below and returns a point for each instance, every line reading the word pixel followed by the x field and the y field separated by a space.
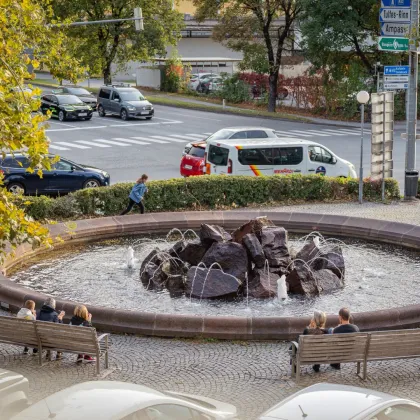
pixel 270 141
pixel 329 402
pixel 246 128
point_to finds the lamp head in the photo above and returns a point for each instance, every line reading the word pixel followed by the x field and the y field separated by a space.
pixel 363 97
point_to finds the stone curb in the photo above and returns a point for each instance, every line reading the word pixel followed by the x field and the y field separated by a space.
pixel 13 296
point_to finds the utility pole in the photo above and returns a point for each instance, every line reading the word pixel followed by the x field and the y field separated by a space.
pixel 410 164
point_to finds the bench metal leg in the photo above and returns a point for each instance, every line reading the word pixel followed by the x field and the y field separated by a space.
pixel 358 368
pixel 364 370
pixel 98 363
pixel 298 372
pixel 106 360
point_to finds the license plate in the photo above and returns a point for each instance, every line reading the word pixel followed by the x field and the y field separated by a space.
pixel 188 167
pixel 83 114
pixel 145 112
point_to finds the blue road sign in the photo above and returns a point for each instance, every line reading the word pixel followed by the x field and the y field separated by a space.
pixel 396 70
pixel 395 3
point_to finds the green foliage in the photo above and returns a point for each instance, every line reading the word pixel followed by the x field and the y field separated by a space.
pixel 100 45
pixel 207 192
pixel 234 90
pixel 254 58
pixel 172 74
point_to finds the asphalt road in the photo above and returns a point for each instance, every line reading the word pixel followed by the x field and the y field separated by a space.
pixel 128 149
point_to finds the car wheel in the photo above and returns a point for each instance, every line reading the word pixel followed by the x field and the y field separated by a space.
pixel 124 115
pixel 148 118
pixel 16 188
pixel 101 111
pixel 91 183
pixel 61 116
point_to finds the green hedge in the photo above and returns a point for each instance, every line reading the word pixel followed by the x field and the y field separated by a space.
pixel 207 192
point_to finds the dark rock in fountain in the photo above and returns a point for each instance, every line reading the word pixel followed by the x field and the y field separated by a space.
pixel 153 277
pixel 230 256
pixel 193 252
pixel 255 250
pixel 175 285
pixel 210 284
pixel 213 233
pixel 253 226
pixel 307 255
pixel 302 281
pixel 262 284
pixel 176 249
pixel 274 244
pixel 332 260
pixel 327 281
pixel 152 257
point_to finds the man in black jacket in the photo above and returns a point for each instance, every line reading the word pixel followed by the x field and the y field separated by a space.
pixel 48 314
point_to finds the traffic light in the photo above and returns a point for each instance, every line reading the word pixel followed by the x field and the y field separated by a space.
pixel 138 15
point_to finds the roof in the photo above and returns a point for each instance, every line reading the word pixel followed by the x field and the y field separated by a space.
pixel 271 141
pixel 344 402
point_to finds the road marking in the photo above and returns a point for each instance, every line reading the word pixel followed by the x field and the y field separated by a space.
pixel 351 133
pixel 173 122
pixel 302 133
pixel 168 139
pixel 335 132
pixel 60 123
pixel 166 119
pixel 139 123
pixel 286 133
pixel 193 116
pixel 200 136
pixel 52 146
pixel 112 142
pixel 91 143
pixel 130 141
pixel 187 137
pixel 77 128
pixel 152 140
pixel 66 143
pixel 208 134
pixel 318 133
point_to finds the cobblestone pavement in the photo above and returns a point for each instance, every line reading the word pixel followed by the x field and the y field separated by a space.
pixel 251 375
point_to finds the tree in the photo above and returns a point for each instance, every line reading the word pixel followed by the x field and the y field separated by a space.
pixel 342 33
pixel 254 25
pixel 23 27
pixel 99 46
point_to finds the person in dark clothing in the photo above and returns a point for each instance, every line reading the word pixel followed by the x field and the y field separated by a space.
pixel 137 194
pixel 316 327
pixel 82 318
pixel 48 314
pixel 345 327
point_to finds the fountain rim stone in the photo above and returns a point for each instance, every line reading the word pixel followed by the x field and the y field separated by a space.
pixel 13 296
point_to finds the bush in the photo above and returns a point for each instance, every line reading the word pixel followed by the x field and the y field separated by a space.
pixel 206 192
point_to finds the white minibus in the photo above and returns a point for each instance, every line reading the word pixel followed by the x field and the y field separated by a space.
pixel 274 156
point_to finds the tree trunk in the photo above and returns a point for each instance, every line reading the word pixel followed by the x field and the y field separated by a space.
pixel 272 95
pixel 107 74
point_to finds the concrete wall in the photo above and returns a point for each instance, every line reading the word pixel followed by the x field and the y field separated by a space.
pixel 148 77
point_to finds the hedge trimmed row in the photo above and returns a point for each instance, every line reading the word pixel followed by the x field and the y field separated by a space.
pixel 207 192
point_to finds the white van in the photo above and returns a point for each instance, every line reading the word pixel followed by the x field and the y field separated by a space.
pixel 274 156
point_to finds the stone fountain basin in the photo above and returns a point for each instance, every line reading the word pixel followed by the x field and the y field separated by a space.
pixel 12 296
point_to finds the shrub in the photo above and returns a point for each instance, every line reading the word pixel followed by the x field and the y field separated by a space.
pixel 206 192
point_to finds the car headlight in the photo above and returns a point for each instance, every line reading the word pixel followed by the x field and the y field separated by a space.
pixel 131 108
pixel 69 108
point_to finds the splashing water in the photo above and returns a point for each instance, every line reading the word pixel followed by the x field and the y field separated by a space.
pixel 130 257
pixel 282 288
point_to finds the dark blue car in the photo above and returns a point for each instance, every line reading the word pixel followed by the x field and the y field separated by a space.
pixel 65 176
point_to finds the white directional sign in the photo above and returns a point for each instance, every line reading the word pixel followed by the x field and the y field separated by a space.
pixel 396 79
pixel 395 86
pixel 395 15
pixel 394 29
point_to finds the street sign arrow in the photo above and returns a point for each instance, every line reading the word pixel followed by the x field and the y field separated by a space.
pixel 393 44
pixel 395 15
pixel 395 29
pixel 396 70
pixel 395 3
pixel 395 86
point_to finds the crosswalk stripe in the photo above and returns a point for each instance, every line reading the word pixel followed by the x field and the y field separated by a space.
pixel 77 146
pixel 130 141
pixel 169 139
pixel 336 133
pixel 351 133
pixel 151 140
pixel 187 137
pixel 208 134
pixel 112 142
pixel 286 133
pixel 91 143
pixel 319 133
pixel 52 146
pixel 303 133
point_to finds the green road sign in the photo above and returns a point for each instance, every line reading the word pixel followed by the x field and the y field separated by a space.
pixel 393 44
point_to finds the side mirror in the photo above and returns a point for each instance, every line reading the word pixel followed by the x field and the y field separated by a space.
pixel 116 100
pixel 333 159
pixel 73 168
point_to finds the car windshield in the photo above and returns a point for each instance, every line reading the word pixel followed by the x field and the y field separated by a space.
pixel 131 96
pixel 221 135
pixel 197 151
pixel 78 91
pixel 68 100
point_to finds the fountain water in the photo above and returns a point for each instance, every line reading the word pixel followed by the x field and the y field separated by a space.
pixel 130 257
pixel 282 288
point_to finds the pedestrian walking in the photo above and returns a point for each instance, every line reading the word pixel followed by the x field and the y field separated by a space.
pixel 137 194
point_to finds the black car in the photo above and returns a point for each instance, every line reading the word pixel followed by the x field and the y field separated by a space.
pixel 84 95
pixel 66 107
pixel 65 176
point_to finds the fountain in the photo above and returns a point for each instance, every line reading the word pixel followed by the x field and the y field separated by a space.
pixel 130 257
pixel 282 288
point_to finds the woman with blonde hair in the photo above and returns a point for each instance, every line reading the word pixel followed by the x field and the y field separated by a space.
pixel 83 318
pixel 316 327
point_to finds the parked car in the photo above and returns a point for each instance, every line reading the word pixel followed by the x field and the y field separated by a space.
pixel 196 79
pixel 211 84
pixel 66 107
pixel 192 163
pixel 112 400
pixel 127 102
pixel 84 95
pixel 271 156
pixel 238 133
pixel 14 390
pixel 65 176
pixel 341 402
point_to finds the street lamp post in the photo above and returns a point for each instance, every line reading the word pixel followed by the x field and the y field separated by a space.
pixel 363 98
